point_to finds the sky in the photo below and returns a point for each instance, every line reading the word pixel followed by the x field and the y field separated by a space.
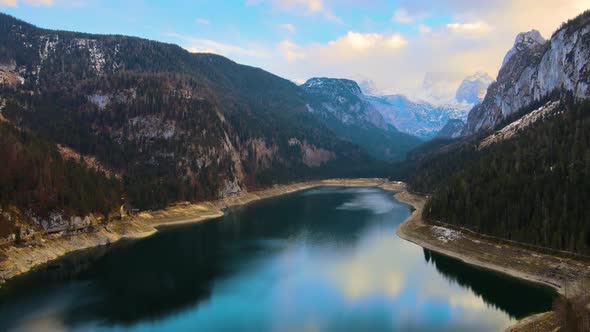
pixel 392 44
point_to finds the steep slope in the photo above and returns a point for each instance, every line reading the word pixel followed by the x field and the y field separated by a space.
pixel 343 108
pixel 452 129
pixel 43 189
pixel 176 125
pixel 533 69
pixel 528 182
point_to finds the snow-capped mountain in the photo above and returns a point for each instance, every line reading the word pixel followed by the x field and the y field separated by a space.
pixel 418 118
pixel 341 106
pixel 473 88
pixel 534 69
pixel 424 118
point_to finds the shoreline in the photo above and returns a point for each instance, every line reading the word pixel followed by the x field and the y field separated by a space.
pixel 523 264
pixel 549 270
pixel 16 260
pixel 555 272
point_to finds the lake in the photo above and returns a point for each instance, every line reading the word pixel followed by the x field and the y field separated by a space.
pixel 324 259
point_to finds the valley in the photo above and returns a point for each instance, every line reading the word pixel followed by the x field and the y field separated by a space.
pixel 331 204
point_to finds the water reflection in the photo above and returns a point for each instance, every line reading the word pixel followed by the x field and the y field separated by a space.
pixel 495 289
pixel 326 259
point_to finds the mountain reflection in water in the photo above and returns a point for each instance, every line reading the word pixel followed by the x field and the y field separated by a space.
pixel 324 259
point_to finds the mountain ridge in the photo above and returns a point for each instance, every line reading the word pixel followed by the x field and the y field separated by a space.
pixel 535 69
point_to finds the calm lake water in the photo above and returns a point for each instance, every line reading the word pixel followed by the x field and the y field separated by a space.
pixel 325 259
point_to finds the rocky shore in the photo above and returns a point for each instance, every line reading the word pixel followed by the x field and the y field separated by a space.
pixel 19 259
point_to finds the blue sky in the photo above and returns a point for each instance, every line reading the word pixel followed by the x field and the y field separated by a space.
pixel 392 43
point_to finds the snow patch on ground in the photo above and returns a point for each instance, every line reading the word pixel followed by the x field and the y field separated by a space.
pixel 446 235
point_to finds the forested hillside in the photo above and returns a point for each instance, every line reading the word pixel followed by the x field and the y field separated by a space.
pixel 36 182
pixel 532 187
pixel 175 125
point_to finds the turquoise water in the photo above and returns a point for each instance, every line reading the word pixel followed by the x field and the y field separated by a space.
pixel 325 259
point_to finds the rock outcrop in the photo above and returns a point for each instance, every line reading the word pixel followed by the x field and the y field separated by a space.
pixel 533 69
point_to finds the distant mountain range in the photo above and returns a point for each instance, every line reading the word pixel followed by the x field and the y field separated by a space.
pixel 360 104
pixel 342 107
pixel 425 119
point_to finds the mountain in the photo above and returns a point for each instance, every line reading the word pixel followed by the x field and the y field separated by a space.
pixel 44 183
pixel 535 68
pixel 524 41
pixel 418 118
pixel 527 181
pixel 452 129
pixel 341 106
pixel 473 88
pixel 523 172
pixel 175 125
pixel 425 119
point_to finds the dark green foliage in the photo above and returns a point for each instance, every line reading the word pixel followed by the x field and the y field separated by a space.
pixel 213 107
pixel 533 188
pixel 35 177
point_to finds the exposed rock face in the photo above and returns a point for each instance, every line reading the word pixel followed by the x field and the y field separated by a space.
pixel 452 129
pixel 534 69
pixel 524 40
pixel 342 106
pixel 473 88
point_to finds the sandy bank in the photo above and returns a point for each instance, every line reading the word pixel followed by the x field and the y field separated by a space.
pixel 18 259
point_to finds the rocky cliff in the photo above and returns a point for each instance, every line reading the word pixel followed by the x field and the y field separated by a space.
pixel 533 69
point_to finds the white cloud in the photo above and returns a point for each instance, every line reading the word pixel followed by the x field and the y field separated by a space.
pixel 475 28
pixel 402 16
pixel 477 38
pixel 356 41
pixel 289 27
pixel 202 21
pixel 290 51
pixel 202 45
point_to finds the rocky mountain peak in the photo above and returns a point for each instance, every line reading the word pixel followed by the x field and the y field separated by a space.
pixel 534 70
pixel 473 88
pixel 523 41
